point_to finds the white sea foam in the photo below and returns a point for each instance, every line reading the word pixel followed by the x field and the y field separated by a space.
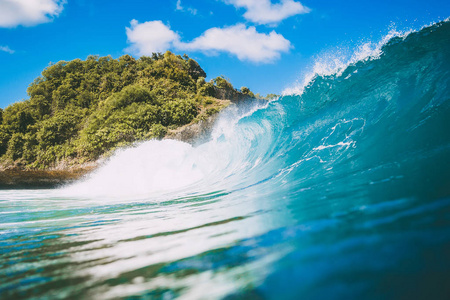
pixel 169 166
pixel 152 166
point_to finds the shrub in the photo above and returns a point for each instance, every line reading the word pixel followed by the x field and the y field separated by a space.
pixel 178 112
pixel 15 146
pixel 246 91
pixel 59 128
pixel 130 94
pixel 158 131
pixel 222 83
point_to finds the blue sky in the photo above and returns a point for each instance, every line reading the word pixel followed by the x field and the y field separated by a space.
pixel 265 45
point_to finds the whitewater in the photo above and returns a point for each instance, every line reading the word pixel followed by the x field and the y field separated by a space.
pixel 338 189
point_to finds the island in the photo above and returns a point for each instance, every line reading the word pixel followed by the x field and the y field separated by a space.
pixel 80 111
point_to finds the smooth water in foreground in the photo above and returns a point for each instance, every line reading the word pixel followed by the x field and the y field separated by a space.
pixel 340 192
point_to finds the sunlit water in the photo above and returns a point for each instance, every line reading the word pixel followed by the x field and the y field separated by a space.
pixel 340 192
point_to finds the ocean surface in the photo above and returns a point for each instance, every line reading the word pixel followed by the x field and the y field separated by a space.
pixel 341 191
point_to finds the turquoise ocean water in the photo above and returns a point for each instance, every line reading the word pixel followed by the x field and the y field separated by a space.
pixel 339 192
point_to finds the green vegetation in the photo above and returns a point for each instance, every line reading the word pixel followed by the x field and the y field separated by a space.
pixel 79 110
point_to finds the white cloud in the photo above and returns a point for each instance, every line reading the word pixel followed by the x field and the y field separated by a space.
pixel 243 42
pixel 191 10
pixel 149 37
pixel 264 12
pixel 6 49
pixel 28 12
pixel 179 7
